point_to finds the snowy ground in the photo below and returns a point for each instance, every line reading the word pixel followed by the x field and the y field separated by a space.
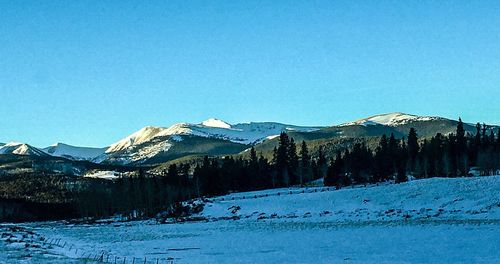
pixel 425 221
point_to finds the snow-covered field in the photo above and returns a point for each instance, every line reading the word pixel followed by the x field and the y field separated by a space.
pixel 425 221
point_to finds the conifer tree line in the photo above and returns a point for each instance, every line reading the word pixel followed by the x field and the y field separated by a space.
pixel 141 195
pixel 450 155
pixel 289 166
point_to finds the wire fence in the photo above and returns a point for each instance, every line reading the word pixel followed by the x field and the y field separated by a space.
pixel 288 192
pixel 280 193
pixel 74 251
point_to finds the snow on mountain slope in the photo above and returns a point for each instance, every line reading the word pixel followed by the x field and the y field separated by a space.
pixel 141 136
pixel 391 119
pixel 18 148
pixel 150 150
pixel 214 122
pixel 73 152
pixel 244 133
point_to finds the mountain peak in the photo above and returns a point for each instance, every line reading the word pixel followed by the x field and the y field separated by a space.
pixel 214 122
pixel 19 148
pixel 143 135
pixel 14 143
pixel 390 119
pixel 72 152
pixel 58 144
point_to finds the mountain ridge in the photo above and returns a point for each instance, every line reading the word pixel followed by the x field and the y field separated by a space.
pixel 219 137
pixel 391 119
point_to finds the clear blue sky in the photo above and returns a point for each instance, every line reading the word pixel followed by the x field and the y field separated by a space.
pixel 92 72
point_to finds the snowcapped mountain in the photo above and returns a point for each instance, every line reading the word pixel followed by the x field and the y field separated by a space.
pixel 391 119
pixel 150 142
pixel 18 148
pixel 143 135
pixel 243 133
pixel 212 136
pixel 73 152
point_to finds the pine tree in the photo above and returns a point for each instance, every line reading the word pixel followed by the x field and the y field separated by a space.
pixel 461 149
pixel 293 162
pixel 254 170
pixel 213 182
pixel 265 174
pixel 275 156
pixel 339 171
pixel 476 146
pixel 498 138
pixel 172 174
pixel 274 176
pixel 392 145
pixel 329 179
pixel 305 161
pixel 392 156
pixel 484 136
pixel 413 149
pixel 345 178
pixel 184 174
pixel 282 160
pixel 359 163
pixel 491 139
pixel 322 165
pixel 401 163
pixel 253 156
pixel 202 175
pixel 451 157
pixel 477 138
pixel 383 162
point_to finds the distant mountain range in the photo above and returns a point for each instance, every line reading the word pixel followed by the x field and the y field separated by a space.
pixel 18 148
pixel 154 145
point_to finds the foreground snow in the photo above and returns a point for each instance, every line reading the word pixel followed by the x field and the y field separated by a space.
pixel 437 198
pixel 425 221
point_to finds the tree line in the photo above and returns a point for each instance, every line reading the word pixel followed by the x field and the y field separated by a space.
pixel 133 196
pixel 449 155
pixel 216 176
